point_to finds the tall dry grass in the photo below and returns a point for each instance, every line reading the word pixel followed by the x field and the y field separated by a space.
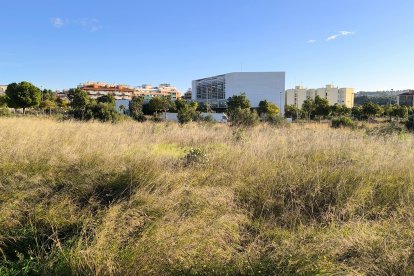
pixel 104 199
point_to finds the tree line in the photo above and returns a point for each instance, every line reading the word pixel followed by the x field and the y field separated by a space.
pixel 319 108
pixel 80 106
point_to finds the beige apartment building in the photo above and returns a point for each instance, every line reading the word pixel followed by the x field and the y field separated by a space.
pixel 126 92
pixel 3 89
pixel 334 95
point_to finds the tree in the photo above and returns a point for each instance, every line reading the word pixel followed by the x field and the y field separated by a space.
pixel 109 99
pixel 188 113
pixel 322 108
pixel 292 111
pixel 180 103
pixel 309 107
pixel 78 98
pixel 237 101
pixel 244 117
pixel 62 103
pixel 48 94
pixel 104 112
pixel 371 109
pixel 401 112
pixel 160 103
pixel 135 108
pixel 23 95
pixel 205 107
pixel 356 112
pixel 268 108
pixel 339 110
pixel 48 105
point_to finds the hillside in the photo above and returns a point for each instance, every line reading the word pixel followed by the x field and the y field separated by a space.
pixel 161 199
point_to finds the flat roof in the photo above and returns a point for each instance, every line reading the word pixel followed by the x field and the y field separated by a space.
pixel 222 75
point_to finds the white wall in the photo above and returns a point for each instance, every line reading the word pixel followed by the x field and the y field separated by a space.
pixel 258 86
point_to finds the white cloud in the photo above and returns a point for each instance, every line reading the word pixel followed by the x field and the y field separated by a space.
pixel 312 41
pixel 57 22
pixel 339 34
pixel 89 24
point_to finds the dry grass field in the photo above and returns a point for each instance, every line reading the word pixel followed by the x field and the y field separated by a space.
pixel 164 199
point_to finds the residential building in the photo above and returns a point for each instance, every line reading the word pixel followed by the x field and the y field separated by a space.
pixel 165 89
pixel 98 89
pixel 126 92
pixel 257 86
pixel 406 99
pixel 334 95
pixel 3 89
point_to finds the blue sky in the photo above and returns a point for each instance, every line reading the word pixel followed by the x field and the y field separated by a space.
pixel 366 44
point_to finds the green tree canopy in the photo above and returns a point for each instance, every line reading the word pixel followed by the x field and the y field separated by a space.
pixel 188 112
pixel 401 112
pixel 160 103
pixel 322 108
pixel 205 107
pixel 268 108
pixel 48 105
pixel 357 112
pixel 292 111
pixel 23 95
pixel 135 108
pixel 238 101
pixel 371 109
pixel 309 107
pixel 78 98
pixel 109 99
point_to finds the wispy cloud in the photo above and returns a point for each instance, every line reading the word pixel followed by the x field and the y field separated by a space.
pixel 57 22
pixel 88 24
pixel 340 34
pixel 311 41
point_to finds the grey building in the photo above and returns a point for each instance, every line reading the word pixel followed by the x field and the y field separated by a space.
pixel 257 86
pixel 406 99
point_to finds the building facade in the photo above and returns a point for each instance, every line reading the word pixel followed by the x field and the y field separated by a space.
pixel 126 92
pixel 406 99
pixel 3 89
pixel 334 95
pixel 257 86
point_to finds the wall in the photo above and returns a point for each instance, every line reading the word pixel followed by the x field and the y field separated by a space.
pixel 258 86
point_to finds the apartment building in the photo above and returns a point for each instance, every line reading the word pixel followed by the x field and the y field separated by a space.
pixel 165 89
pixel 334 95
pixel 126 92
pixel 98 89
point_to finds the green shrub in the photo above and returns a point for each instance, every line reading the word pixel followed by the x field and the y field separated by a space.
pixel 342 122
pixel 4 111
pixel 195 156
pixel 389 129
pixel 244 117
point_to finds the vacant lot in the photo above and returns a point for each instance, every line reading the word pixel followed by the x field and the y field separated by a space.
pixel 161 199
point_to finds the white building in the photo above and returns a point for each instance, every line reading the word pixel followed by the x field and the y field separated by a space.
pixel 257 86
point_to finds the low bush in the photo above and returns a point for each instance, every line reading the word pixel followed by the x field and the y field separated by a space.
pixel 244 117
pixel 342 122
pixel 388 129
pixel 4 111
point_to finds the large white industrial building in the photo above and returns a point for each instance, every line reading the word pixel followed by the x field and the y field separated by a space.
pixel 257 86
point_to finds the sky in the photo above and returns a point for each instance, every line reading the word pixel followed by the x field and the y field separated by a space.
pixel 58 44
